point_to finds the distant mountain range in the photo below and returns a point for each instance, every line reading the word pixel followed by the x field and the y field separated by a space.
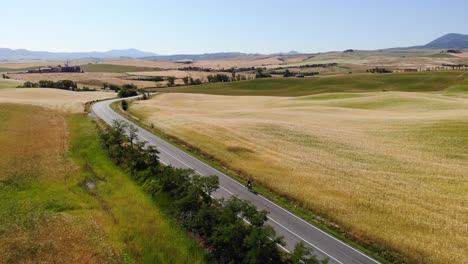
pixel 22 54
pixel 205 56
pixel 449 41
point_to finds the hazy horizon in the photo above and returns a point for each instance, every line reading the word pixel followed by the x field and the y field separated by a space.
pixel 195 27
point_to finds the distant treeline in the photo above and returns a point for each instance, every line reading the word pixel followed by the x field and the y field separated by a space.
pixel 320 65
pixel 240 69
pixel 199 69
pixel 218 223
pixel 145 78
pixel 261 74
pixel 63 85
pixel 454 51
pixel 288 73
pixel 379 70
pixel 190 81
pixel 455 65
pixel 220 77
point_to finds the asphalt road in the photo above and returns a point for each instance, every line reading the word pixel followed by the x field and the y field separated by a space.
pixel 293 228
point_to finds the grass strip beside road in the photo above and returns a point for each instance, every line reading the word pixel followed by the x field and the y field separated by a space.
pixel 62 200
pixel 144 232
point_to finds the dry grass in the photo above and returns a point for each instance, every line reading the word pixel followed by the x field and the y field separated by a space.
pixel 243 61
pixel 247 61
pixel 20 142
pixel 52 98
pixel 388 167
pixel 175 73
pixel 463 55
pixel 94 79
pixel 390 59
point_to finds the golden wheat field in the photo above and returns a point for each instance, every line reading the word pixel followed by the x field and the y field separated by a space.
pixel 386 166
pixel 52 98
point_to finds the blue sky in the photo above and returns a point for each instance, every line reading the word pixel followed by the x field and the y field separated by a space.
pixel 170 27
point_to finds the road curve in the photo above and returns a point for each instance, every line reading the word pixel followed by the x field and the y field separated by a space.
pixel 286 224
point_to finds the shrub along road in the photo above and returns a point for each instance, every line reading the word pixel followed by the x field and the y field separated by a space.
pixel 293 228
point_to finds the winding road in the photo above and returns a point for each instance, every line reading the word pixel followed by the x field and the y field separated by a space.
pixel 286 224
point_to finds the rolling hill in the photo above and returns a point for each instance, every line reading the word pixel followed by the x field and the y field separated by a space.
pixel 448 41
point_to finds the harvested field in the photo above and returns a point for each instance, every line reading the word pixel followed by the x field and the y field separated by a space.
pixel 246 61
pixel 102 67
pixel 398 59
pixel 52 98
pixel 146 63
pixel 463 55
pixel 175 73
pixel 388 167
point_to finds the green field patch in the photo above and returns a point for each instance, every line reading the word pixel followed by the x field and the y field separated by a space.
pixel 330 96
pixel 378 103
pixel 461 87
pixel 442 56
pixel 5 83
pixel 411 82
pixel 447 138
pixel 113 68
pixel 397 103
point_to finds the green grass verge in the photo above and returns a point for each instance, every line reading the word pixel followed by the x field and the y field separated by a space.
pixel 407 82
pixel 49 213
pixel 306 214
pixel 142 231
pixel 113 68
